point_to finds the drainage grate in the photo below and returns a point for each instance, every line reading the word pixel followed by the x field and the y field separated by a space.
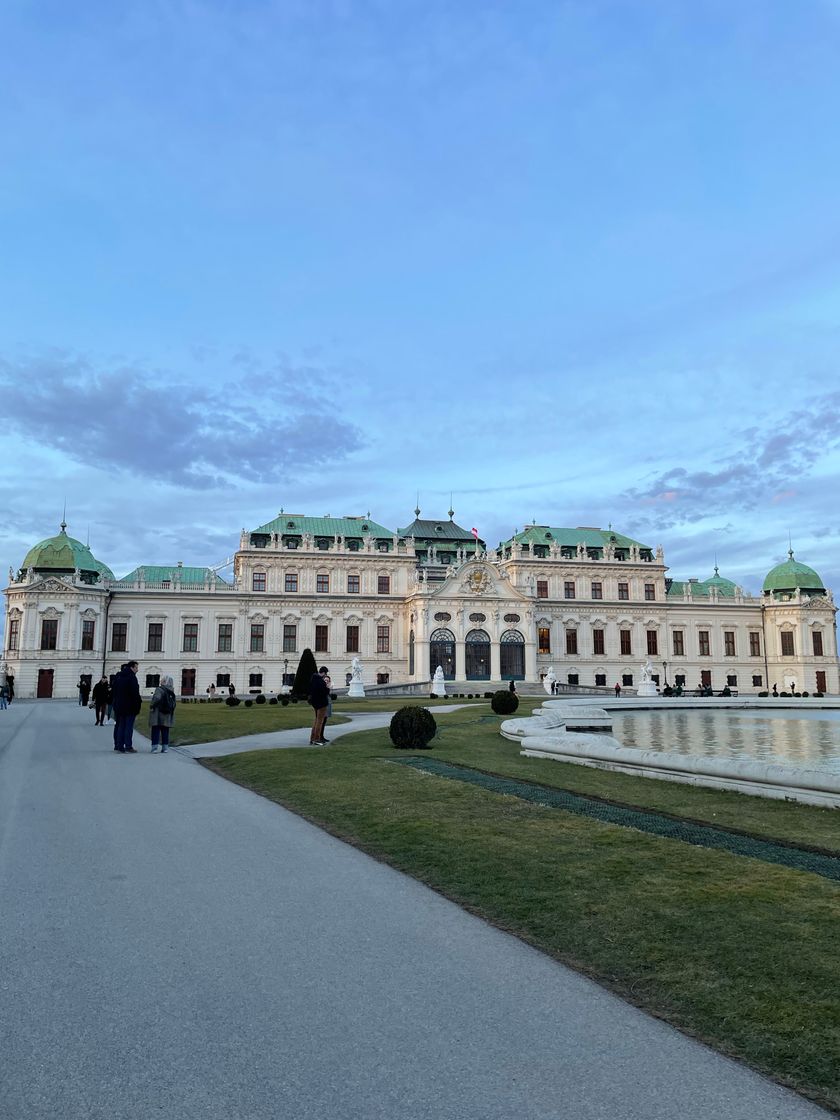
pixel 644 820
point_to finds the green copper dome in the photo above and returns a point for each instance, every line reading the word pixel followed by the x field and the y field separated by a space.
pixel 792 575
pixel 65 554
pixel 724 586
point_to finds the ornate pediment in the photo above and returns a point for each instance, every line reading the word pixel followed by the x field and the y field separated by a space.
pixel 53 585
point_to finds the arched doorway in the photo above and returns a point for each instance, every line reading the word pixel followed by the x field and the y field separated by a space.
pixel 442 652
pixel 477 654
pixel 512 649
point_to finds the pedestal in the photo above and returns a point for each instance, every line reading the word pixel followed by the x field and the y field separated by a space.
pixel 356 691
pixel 647 688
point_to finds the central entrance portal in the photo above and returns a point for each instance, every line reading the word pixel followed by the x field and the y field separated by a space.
pixel 442 652
pixel 477 652
pixel 513 656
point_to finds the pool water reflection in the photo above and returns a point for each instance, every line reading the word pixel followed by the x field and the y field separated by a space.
pixel 808 740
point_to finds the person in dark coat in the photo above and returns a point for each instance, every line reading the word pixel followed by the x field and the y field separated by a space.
pixel 84 689
pixel 100 700
pixel 319 698
pixel 512 686
pixel 127 704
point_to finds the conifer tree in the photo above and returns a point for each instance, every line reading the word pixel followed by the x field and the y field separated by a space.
pixel 306 667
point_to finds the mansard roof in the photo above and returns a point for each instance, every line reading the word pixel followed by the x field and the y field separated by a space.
pixel 296 524
pixel 172 573
pixel 588 536
pixel 444 530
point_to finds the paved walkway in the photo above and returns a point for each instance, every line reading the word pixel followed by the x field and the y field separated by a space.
pixel 172 945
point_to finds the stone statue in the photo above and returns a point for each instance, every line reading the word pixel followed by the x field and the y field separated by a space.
pixel 647 671
pixel 647 686
pixel 356 689
pixel 549 681
pixel 438 682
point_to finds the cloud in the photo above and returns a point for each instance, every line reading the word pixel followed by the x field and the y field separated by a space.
pixel 152 424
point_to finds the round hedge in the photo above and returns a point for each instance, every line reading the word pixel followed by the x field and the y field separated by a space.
pixel 249 703
pixel 412 729
pixel 260 699
pixel 504 702
pixel 232 701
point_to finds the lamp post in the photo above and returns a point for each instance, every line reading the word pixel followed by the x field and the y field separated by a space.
pixel 665 672
pixel 285 669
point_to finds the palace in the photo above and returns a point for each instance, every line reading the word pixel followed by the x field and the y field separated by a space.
pixel 590 603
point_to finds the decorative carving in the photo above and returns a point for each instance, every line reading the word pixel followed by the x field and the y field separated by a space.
pixel 478 581
pixel 443 616
pixel 477 617
pixel 512 618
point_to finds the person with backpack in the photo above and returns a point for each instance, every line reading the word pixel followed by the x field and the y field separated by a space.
pixel 162 713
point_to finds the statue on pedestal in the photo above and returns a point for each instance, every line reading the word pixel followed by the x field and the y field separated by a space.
pixel 550 680
pixel 438 682
pixel 357 689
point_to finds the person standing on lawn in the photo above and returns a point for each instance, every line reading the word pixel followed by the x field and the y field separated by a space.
pixel 162 713
pixel 319 698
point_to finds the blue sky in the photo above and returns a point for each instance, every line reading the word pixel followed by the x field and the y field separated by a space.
pixel 573 262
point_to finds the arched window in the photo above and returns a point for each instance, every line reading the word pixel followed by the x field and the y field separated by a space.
pixel 512 649
pixel 477 651
pixel 442 652
pixel 411 653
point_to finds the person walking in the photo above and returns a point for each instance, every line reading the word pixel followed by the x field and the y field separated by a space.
pixel 127 705
pixel 162 713
pixel 100 700
pixel 109 711
pixel 319 698
pixel 85 691
pixel 80 686
pixel 4 692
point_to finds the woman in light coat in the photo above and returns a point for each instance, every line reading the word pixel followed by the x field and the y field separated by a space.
pixel 161 720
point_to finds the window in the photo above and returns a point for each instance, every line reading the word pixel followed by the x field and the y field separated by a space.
pixel 571 641
pixel 152 680
pixel 49 633
pixel 755 644
pixel 624 591
pixel 597 591
pixel 679 643
pixel 383 639
pixel 569 589
pixel 732 680
pixel 353 585
pixel 544 639
pixel 573 678
pixel 729 643
pixel 352 639
pixel 383 585
pixel 652 643
pixel 225 637
pixel 154 643
pixel 758 681
pixel 88 628
pixel 787 643
pixel 650 591
pixel 598 642
pixel 190 637
pixel 542 588
pixel 703 642
pixel 625 643
pixel 627 679
pixel 600 678
pixel 322 584
pixel 816 637
pixel 290 583
pixel 222 680
pixel 289 638
pixel 255 680
pixel 383 678
pixel 257 637
pixel 679 679
pixel 14 633
pixel 322 639
pixel 258 581
pixel 119 637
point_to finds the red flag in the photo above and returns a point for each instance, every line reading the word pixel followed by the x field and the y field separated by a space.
pixel 474 533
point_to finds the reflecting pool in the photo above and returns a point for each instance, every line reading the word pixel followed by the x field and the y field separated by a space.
pixel 809 740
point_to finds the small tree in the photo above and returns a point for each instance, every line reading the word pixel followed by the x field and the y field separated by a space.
pixel 412 728
pixel 504 702
pixel 305 670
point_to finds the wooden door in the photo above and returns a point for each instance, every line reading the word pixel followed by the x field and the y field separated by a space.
pixel 188 682
pixel 45 683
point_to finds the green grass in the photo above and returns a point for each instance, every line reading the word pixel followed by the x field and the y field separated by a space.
pixel 735 951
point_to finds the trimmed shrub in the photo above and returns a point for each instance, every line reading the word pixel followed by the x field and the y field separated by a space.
pixel 273 700
pixel 797 694
pixel 504 702
pixel 805 694
pixel 260 699
pixel 784 694
pixel 765 693
pixel 433 696
pixel 819 694
pixel 488 695
pixel 232 701
pixel 307 667
pixel 412 729
pixel 284 700
pixel 249 703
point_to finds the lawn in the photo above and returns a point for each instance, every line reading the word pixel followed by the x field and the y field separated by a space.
pixel 735 951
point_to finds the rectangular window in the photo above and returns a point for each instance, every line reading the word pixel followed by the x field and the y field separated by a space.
pixel 571 641
pixel 258 581
pixel 626 645
pixel 225 637
pixel 624 591
pixel 758 681
pixel 652 643
pixel 787 643
pixel 14 633
pixel 816 637
pixel 88 628
pixel 353 585
pixel 732 680
pixel 289 638
pixel 152 680
pixel 729 643
pixel 222 680
pixel 542 588
pixel 704 644
pixel 600 678
pixel 679 679
pixel 322 584
pixel 569 589
pixel 383 639
pixel 627 679
pixel 255 680
pixel 544 639
pixel 119 637
pixel 573 678
pixel 597 591
pixel 290 582
pixel 598 646
pixel 49 633
pixel 322 639
pixel 383 585
pixel 383 678
pixel 352 639
pixel 154 643
pixel 190 637
pixel 755 644
pixel 706 678
pixel 679 643
pixel 650 591
pixel 257 637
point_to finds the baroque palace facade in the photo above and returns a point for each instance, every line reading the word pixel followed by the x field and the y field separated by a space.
pixel 592 604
